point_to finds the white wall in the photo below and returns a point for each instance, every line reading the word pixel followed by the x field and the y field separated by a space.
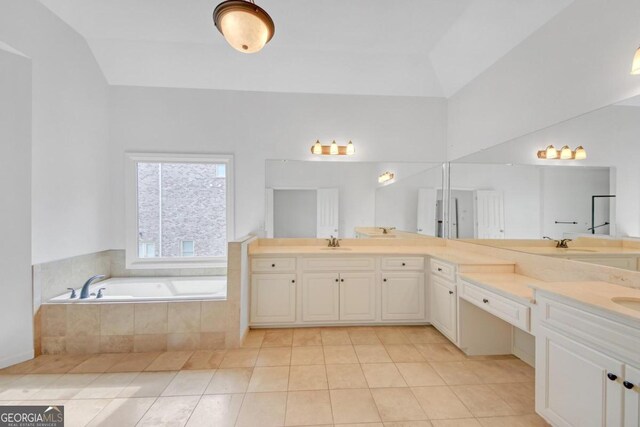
pixel 294 213
pixel 567 197
pixel 70 187
pixel 577 62
pixel 397 201
pixel 16 333
pixel 257 126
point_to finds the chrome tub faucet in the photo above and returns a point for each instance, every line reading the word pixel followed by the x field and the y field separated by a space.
pixel 84 293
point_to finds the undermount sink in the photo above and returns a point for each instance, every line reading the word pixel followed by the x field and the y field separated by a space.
pixel 628 302
pixel 336 249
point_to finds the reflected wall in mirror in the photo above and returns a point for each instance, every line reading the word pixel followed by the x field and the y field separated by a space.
pixel 595 201
pixel 319 199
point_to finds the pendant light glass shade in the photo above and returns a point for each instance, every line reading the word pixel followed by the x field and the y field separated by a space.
pixel 580 153
pixel 566 153
pixel 551 152
pixel 245 26
pixel 334 148
pixel 317 148
pixel 350 149
pixel 635 66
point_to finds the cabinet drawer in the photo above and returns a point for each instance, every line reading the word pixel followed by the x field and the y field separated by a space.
pixel 402 263
pixel 275 265
pixel 443 269
pixel 338 264
pixel 508 310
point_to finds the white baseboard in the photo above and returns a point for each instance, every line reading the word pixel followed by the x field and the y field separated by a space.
pixel 16 358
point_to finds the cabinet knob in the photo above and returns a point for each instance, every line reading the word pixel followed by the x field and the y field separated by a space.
pixel 439 269
pixel 404 263
pixel 273 265
pixel 293 281
pixel 337 280
pixel 612 377
pixel 486 301
pixel 342 280
pixel 627 385
pixel 450 292
pixel 384 280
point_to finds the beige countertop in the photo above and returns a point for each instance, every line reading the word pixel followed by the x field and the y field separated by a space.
pixel 510 285
pixel 455 256
pixel 586 251
pixel 378 233
pixel 595 294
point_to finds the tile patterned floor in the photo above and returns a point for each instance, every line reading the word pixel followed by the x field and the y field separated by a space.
pixel 354 376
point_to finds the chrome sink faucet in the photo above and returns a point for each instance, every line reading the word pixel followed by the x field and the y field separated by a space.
pixel 333 242
pixel 559 243
pixel 84 293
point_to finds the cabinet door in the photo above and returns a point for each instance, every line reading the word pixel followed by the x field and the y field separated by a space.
pixel 576 385
pixel 357 296
pixel 273 298
pixel 403 296
pixel 631 397
pixel 444 312
pixel 320 297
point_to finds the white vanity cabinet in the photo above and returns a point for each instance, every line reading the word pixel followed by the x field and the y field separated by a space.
pixel 444 302
pixel 586 367
pixel 358 296
pixel 273 298
pixel 403 295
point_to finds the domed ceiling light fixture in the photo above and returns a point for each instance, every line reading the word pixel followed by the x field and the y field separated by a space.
pixel 635 66
pixel 244 25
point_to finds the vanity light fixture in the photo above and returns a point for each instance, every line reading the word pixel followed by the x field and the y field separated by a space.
pixel 333 149
pixel 635 66
pixel 565 153
pixel 387 176
pixel 244 25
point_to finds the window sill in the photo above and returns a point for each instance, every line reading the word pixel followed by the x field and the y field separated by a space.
pixel 156 264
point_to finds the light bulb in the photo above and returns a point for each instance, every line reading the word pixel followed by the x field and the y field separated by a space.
pixel 350 149
pixel 566 153
pixel 580 153
pixel 635 66
pixel 334 148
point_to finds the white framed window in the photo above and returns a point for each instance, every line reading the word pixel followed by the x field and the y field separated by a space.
pixel 187 248
pixel 179 210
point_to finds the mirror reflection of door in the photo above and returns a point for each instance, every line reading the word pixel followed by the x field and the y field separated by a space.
pixel 302 213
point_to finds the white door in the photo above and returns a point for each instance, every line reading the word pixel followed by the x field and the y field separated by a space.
pixel 357 296
pixel 268 213
pixel 444 312
pixel 489 211
pixel 631 396
pixel 320 297
pixel 426 223
pixel 575 385
pixel 273 298
pixel 403 296
pixel 328 208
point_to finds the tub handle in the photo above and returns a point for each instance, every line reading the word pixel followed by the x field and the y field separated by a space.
pixel 73 293
pixel 100 293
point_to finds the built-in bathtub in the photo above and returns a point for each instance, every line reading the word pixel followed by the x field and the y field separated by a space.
pixel 141 314
pixel 140 289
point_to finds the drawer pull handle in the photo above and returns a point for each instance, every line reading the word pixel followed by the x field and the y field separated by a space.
pixel 404 263
pixel 484 300
pixel 439 269
pixel 612 377
pixel 450 292
pixel 273 265
pixel 627 385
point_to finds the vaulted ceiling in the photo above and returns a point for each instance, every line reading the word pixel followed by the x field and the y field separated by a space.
pixel 368 47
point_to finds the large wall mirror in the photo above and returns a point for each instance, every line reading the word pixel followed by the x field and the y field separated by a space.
pixel 507 196
pixel 319 199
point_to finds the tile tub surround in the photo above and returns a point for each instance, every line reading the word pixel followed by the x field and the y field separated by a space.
pixel 261 385
pixel 136 327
